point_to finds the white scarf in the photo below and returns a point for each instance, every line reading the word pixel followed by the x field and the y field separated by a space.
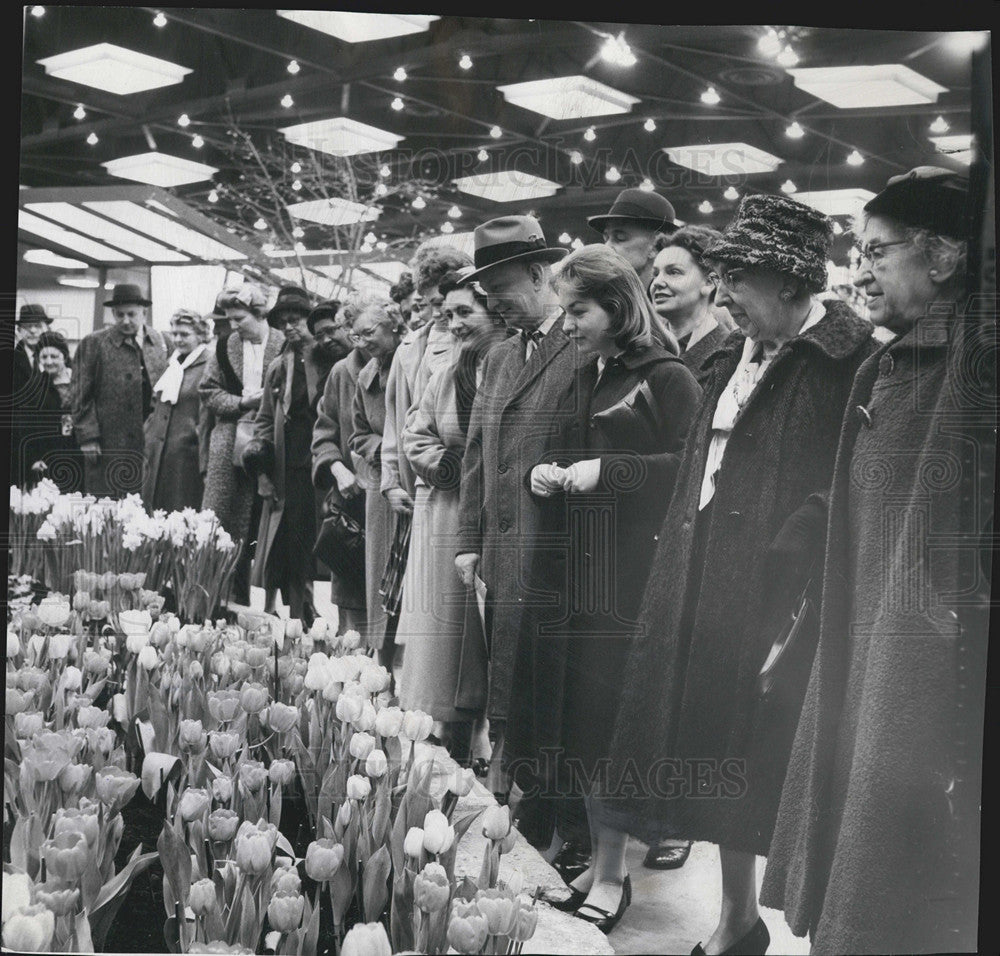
pixel 170 382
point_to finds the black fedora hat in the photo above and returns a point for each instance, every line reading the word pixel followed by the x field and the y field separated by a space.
pixel 291 298
pixel 125 293
pixel 638 205
pixel 32 313
pixel 509 239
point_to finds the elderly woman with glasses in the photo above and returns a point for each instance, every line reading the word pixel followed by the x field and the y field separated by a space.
pixel 889 744
pixel 743 529
pixel 173 480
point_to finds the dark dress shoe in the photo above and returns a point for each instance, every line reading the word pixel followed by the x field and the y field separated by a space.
pixel 567 904
pixel 571 860
pixel 667 857
pixel 602 919
pixel 753 943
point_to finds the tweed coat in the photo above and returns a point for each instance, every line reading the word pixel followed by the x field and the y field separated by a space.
pixel 229 491
pixel 876 846
pixel 366 444
pixel 692 694
pixel 697 355
pixel 514 419
pixel 107 405
pixel 173 480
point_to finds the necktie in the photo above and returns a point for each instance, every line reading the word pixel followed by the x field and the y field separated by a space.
pixel 531 339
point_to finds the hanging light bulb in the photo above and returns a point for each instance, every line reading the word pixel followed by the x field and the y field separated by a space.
pixel 296 167
pixel 590 135
pixel 788 57
pixel 496 132
pixel 646 185
pixel 287 102
pixel 183 120
pixel 769 44
pixel 617 52
pixel 293 67
pixel 447 227
pixel 482 156
pixel 455 212
pixel 576 157
pixel 838 229
pixel 565 238
pixel 418 202
pixel 794 131
pixel 299 247
pixel 577 243
pixel 399 75
pixel 213 196
pixel 260 224
pixel 384 171
pixel 397 104
pixel 466 62
pixel 854 158
pixel 381 190
pixel 381 245
pixel 92 139
pixel 159 20
pixel 267 247
pixel 612 175
pixel 297 185
pixel 38 11
pixel 298 232
pixel 706 207
pixel 710 97
pixel 649 126
pixel 940 125
pixel 79 113
pixel 197 142
pixel 370 238
pixel 731 194
pixel 789 187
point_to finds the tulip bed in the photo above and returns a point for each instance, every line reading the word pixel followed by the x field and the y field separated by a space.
pixel 223 728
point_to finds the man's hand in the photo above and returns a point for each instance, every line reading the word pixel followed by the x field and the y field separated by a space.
pixel 251 400
pixel 91 451
pixel 400 501
pixel 582 477
pixel 466 565
pixel 547 480
pixel 347 481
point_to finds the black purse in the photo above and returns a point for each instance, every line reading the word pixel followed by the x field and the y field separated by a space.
pixel 781 683
pixel 340 544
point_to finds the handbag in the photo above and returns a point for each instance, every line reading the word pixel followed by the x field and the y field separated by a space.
pixel 340 544
pixel 782 680
pixel 244 435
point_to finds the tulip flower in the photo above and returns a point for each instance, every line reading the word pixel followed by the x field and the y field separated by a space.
pixel 223 745
pixel 60 901
pixel 81 601
pixel 344 815
pixel 194 804
pixel 195 671
pixel 431 888
pixel 16 893
pixel 192 736
pixel 358 787
pixel 467 934
pixel 17 701
pixel 221 948
pixel 29 930
pixel 375 679
pixel 202 898
pixel 13 643
pixel 49 754
pixel 323 859
pixel 59 645
pixel 285 879
pixel 366 939
pixel 389 722
pixel 148 658
pixel 136 642
pixel 319 631
pixel 416 725
pixel 96 663
pixel 254 847
pixel 135 622
pixel 54 610
pixel 439 834
pixel 101 740
pixel 253 775
pixel 28 724
pixel 293 629
pixel 66 855
pixel 257 656
pixel 159 634
pixel 72 676
pixel 74 777
pixel 349 708
pixel 281 718
pixel 92 717
pixel 376 764
pixel 222 789
pixel 222 824
pixel 115 787
pixel 413 842
pixel 224 705
pixel 284 912
pixel 350 640
pixel 220 665
pixel 461 781
pixel 525 923
pixel 496 823
pixel 361 745
pixel 499 909
pixel 281 772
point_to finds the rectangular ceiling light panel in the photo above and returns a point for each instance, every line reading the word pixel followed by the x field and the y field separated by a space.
pixel 114 69
pixel 568 97
pixel 867 87
pixel 359 27
pixel 505 186
pixel 333 212
pixel 71 240
pixel 341 137
pixel 836 202
pixel 167 230
pixel 957 147
pixel 90 225
pixel 159 169
pixel 724 159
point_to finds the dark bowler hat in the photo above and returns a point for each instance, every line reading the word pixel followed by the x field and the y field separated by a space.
pixel 125 293
pixel 927 197
pixel 508 239
pixel 32 313
pixel 638 205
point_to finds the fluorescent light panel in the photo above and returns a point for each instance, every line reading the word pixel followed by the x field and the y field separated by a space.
pixel 114 69
pixel 159 169
pixel 505 186
pixel 957 147
pixel 138 217
pixel 71 240
pixel 46 257
pixel 359 27
pixel 341 136
pixel 79 282
pixel 333 212
pixel 867 87
pixel 317 284
pixel 568 97
pixel 91 225
pixel 724 159
pixel 836 202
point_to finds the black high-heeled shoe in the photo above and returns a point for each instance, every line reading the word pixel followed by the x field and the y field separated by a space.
pixel 752 943
pixel 568 905
pixel 601 918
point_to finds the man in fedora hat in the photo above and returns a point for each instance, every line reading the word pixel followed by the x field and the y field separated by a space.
pixel 113 394
pixel 27 383
pixel 510 428
pixel 632 225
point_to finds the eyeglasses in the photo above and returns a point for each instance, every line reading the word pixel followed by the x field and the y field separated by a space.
pixel 330 333
pixel 872 251
pixel 365 334
pixel 731 277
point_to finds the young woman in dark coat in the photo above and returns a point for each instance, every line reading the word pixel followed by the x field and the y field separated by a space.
pixel 699 753
pixel 610 477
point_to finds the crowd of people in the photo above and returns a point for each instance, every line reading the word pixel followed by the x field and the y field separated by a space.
pixel 645 528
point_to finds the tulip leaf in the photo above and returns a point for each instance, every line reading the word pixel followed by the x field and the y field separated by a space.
pixel 466 890
pixel 176 859
pixel 249 930
pixel 341 891
pixel 285 846
pixel 112 896
pixel 400 919
pixel 383 808
pixel 328 832
pixel 376 890
pixel 172 934
pixel 82 941
pixel 160 722
pixel 213 924
pixel 19 844
pixel 157 768
pixel 310 937
pixel 90 883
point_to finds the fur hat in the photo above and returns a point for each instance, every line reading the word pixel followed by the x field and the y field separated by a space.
pixel 927 197
pixel 778 233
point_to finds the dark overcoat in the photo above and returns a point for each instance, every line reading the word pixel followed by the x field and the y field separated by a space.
pixel 108 408
pixel 173 479
pixel 696 357
pixel 29 395
pixel 515 417
pixel 568 670
pixel 876 846
pixel 692 671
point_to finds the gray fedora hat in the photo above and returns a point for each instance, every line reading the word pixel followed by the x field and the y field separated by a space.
pixel 509 239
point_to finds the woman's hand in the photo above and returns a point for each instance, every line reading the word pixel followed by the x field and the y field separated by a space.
pixel 251 400
pixel 347 481
pixel 399 501
pixel 547 480
pixel 582 477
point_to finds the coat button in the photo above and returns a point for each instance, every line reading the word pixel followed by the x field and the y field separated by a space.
pixel 501 469
pixel 504 526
